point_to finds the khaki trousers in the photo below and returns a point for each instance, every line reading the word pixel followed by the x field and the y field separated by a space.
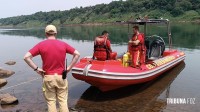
pixel 54 87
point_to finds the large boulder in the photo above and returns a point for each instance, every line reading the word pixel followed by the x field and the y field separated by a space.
pixel 3 82
pixel 10 63
pixel 5 73
pixel 6 99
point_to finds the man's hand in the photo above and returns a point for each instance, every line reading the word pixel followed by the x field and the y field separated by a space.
pixel 28 59
pixel 76 55
pixel 75 58
pixel 130 41
pixel 40 72
pixel 68 69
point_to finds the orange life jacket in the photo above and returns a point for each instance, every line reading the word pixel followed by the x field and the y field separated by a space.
pixel 101 51
pixel 100 43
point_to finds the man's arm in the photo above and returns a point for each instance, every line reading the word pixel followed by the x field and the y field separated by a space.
pixel 136 42
pixel 28 59
pixel 75 58
pixel 108 45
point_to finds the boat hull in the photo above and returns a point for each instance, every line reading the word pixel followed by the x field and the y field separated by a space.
pixel 112 75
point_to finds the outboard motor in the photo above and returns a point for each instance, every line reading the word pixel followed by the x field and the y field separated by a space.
pixel 155 48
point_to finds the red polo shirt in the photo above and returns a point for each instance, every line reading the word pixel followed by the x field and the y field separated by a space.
pixel 53 54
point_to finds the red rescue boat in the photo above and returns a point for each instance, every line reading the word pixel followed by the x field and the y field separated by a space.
pixel 112 74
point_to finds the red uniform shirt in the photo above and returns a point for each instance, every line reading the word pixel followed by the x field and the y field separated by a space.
pixel 134 38
pixel 137 37
pixel 53 54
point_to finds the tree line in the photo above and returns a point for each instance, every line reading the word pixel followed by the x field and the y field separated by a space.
pixel 116 10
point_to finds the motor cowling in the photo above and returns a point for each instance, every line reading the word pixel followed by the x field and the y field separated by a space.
pixel 155 47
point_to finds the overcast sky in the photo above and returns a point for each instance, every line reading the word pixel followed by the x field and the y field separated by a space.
pixel 11 8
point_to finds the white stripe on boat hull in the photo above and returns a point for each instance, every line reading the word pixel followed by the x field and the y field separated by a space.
pixel 128 76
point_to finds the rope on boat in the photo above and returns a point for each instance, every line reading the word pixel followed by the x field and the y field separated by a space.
pixel 19 84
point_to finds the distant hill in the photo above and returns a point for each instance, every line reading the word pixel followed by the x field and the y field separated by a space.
pixel 177 10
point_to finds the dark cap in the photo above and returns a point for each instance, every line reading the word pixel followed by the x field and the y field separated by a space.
pixel 136 27
pixel 104 32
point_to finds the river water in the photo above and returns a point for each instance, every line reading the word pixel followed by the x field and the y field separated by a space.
pixel 181 82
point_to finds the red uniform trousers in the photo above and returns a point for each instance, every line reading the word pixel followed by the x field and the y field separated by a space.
pixel 102 55
pixel 136 54
pixel 113 55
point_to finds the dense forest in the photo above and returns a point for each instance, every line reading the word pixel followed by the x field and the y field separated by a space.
pixel 176 10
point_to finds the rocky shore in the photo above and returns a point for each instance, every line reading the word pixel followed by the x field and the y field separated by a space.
pixel 6 98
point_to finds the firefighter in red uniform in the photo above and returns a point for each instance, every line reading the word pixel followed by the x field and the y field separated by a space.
pixel 102 48
pixel 137 48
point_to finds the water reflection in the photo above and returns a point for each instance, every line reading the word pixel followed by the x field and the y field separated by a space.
pixel 186 35
pixel 118 34
pixel 183 35
pixel 129 99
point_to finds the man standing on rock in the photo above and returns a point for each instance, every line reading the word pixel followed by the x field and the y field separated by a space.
pixel 53 54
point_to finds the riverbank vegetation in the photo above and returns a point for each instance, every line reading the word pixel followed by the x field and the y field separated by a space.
pixel 175 10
